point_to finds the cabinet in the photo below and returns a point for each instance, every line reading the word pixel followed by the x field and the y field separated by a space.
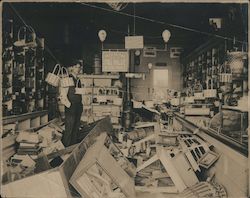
pixel 203 63
pixel 23 71
pixel 102 98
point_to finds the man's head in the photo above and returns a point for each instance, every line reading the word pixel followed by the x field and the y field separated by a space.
pixel 76 66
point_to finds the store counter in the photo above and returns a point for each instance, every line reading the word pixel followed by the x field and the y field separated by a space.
pixel 194 123
pixel 231 169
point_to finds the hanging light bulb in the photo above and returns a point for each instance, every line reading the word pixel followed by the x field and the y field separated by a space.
pixel 166 35
pixel 102 35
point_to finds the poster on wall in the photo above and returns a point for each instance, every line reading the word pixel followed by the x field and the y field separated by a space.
pixel 134 42
pixel 115 61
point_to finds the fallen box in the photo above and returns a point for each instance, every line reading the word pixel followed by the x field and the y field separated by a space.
pixel 55 182
pixel 99 166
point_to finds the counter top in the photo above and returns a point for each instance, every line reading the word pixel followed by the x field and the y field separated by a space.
pixel 235 108
pixel 192 125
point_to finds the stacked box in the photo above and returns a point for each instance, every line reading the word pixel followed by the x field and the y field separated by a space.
pixel 102 82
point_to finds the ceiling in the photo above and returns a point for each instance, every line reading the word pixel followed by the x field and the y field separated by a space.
pixel 78 24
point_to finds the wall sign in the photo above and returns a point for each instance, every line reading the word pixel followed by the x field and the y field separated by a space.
pixel 115 61
pixel 175 52
pixel 133 42
pixel 161 64
pixel 149 52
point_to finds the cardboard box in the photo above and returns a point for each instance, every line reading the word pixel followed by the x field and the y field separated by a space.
pixel 102 82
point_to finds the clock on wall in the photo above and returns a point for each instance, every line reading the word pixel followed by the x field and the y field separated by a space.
pixel 137 57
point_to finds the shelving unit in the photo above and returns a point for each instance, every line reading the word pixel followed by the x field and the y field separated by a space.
pixel 7 69
pixel 204 64
pixel 23 73
pixel 100 98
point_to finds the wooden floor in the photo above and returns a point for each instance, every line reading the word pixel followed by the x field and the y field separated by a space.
pixel 155 195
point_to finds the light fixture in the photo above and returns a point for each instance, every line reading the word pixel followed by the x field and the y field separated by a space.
pixel 102 36
pixel 150 65
pixel 166 36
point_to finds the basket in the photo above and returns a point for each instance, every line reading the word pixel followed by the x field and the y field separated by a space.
pixel 22 42
pixel 66 81
pixel 79 90
pixel 52 78
pixel 225 77
pixel 210 93
pixel 236 61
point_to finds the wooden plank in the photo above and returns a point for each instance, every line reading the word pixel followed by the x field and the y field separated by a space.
pixel 170 168
pixel 144 125
pixel 165 189
pixel 184 170
pixel 147 163
pixel 148 138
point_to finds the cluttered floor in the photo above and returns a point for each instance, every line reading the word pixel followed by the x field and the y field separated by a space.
pixel 153 160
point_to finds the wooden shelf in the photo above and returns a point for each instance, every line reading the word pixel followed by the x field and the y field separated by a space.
pixel 22 117
pixel 97 104
pixel 111 76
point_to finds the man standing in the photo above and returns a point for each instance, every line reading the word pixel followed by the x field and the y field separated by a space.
pixel 73 107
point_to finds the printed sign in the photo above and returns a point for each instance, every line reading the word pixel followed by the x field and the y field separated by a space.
pixel 133 42
pixel 115 61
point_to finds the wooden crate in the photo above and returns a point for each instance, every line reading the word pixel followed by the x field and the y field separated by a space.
pixel 98 161
pixel 102 82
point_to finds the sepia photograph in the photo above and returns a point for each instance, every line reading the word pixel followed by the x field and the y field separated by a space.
pixel 124 99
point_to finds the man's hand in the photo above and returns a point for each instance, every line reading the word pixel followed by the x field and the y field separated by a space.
pixel 64 100
pixel 63 97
